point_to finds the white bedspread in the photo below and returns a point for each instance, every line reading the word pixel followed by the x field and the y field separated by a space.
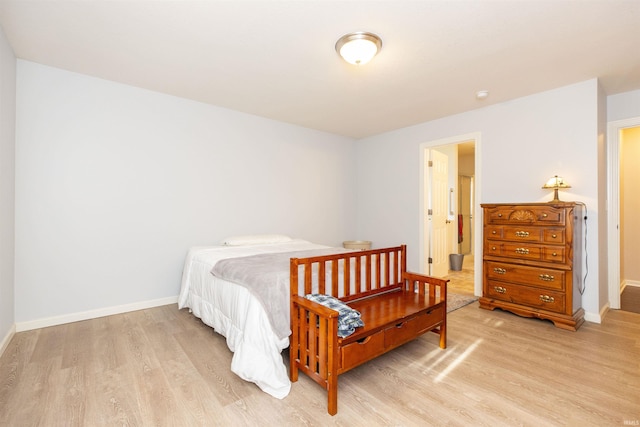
pixel 234 313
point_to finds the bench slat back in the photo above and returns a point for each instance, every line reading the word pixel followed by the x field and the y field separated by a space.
pixel 350 275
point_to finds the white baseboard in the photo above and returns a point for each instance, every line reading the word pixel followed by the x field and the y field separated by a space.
pixel 5 341
pixel 626 283
pixel 597 317
pixel 92 314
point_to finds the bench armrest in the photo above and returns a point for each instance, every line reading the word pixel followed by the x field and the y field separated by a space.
pixel 314 343
pixel 314 307
pixel 425 285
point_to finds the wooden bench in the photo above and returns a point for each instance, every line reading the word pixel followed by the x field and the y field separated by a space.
pixel 396 306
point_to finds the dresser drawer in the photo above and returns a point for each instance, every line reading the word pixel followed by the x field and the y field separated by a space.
pixel 514 214
pixel 553 236
pixel 534 276
pixel 525 251
pixel 518 234
pixel 525 234
pixel 513 250
pixel 552 254
pixel 531 297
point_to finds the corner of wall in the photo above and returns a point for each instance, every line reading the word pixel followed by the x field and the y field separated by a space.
pixel 597 317
pixel 8 78
pixel 7 339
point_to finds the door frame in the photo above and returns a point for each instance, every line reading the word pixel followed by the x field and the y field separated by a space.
pixel 477 212
pixel 613 205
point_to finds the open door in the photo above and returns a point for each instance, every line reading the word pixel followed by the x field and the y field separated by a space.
pixel 438 167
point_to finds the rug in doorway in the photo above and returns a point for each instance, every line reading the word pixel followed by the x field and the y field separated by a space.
pixel 456 301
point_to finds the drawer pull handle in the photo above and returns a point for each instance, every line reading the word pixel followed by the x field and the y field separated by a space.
pixel 493 248
pixel 546 298
pixel 554 254
pixel 493 232
pixel 522 234
pixel 499 270
pixel 500 289
pixel 544 215
pixel 554 236
pixel 547 277
pixel 500 215
pixel 522 251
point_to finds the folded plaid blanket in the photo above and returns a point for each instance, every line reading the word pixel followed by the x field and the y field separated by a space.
pixel 348 318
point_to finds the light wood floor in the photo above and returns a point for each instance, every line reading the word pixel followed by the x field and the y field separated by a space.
pixel 163 367
pixel 461 282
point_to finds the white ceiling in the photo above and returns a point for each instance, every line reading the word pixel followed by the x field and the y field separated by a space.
pixel 276 59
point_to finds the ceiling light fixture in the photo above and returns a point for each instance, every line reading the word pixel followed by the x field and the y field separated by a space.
pixel 358 48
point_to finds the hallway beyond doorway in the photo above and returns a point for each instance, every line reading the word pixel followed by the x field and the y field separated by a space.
pixel 461 282
pixel 630 299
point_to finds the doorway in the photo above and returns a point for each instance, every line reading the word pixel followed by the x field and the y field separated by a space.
pixel 623 205
pixel 463 222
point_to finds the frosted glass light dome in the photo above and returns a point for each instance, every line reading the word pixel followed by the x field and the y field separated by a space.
pixel 358 48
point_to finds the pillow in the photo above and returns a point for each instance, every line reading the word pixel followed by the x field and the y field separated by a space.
pixel 255 239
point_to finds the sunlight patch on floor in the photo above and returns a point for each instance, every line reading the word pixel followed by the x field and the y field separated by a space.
pixel 430 358
pixel 441 376
pixel 442 358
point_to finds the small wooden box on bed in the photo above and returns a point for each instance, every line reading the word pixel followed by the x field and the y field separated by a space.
pixel 396 306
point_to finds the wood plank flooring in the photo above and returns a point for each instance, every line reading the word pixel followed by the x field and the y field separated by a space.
pixel 630 299
pixel 163 367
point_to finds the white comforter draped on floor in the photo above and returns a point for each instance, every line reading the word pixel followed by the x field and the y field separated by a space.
pixel 234 313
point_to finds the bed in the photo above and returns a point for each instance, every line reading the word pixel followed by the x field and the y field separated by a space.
pixel 233 311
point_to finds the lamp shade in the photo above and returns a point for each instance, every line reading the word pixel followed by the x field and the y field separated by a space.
pixel 358 48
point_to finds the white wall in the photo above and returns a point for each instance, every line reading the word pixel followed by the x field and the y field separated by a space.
pixel 623 106
pixel 523 143
pixel 7 188
pixel 115 183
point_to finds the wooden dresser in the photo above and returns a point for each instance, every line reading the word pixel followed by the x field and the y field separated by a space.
pixel 532 261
